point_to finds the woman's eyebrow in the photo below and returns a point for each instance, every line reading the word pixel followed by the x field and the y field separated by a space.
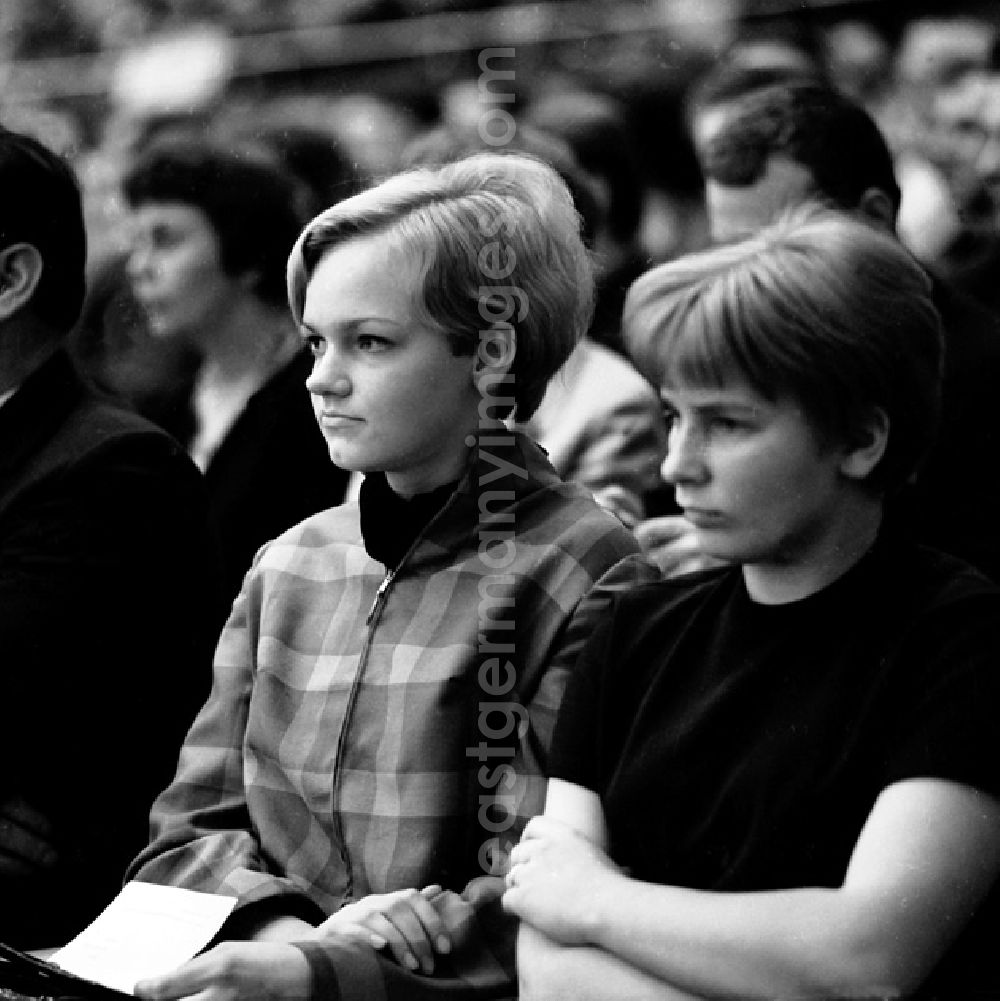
pixel 718 403
pixel 353 323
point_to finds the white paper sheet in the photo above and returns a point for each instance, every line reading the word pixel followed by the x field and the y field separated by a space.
pixel 145 931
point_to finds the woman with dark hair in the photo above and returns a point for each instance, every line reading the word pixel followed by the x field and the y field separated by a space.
pixel 211 232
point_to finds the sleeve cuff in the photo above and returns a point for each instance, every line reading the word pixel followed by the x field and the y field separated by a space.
pixel 247 917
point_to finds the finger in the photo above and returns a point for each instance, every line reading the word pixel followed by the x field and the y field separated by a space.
pixel 408 917
pixel 510 880
pixel 659 531
pixel 690 565
pixel 142 988
pixel 519 853
pixel 353 913
pixel 432 928
pixel 682 545
pixel 199 974
pixel 209 994
pixel 511 901
pixel 674 558
pixel 530 830
pixel 155 988
pixel 398 946
pixel 160 989
pixel 357 932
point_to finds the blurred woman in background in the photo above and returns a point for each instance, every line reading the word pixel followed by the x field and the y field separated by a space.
pixel 212 229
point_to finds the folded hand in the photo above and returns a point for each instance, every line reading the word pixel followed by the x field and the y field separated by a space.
pixel 405 921
pixel 556 876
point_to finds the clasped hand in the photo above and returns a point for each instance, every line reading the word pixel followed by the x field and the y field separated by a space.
pixel 556 876
pixel 405 921
pixel 270 968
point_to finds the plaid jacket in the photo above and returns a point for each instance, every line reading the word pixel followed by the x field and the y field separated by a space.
pixel 367 733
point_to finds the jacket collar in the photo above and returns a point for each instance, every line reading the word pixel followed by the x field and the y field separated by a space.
pixel 42 403
pixel 390 524
pixel 505 468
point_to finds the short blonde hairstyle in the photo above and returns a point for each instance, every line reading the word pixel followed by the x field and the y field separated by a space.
pixel 818 307
pixel 497 243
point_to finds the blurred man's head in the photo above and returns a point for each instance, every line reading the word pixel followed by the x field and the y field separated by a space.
pixel 968 115
pixel 43 246
pixel 784 144
pixel 708 102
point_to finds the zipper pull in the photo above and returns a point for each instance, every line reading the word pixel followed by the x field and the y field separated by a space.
pixel 379 595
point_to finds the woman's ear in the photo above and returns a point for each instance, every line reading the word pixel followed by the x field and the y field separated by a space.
pixel 21 268
pixel 494 356
pixel 865 453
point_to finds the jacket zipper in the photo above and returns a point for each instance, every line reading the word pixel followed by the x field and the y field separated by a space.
pixel 371 623
pixel 379 598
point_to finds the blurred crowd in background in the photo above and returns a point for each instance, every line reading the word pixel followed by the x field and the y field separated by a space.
pixel 339 90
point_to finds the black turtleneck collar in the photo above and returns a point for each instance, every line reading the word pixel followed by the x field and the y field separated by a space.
pixel 389 523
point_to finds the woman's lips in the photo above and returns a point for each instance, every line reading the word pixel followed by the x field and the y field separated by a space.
pixel 703 517
pixel 337 420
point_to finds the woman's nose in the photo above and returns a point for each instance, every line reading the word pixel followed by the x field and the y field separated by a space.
pixel 685 459
pixel 327 378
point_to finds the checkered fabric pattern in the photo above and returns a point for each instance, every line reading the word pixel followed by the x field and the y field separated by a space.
pixel 354 738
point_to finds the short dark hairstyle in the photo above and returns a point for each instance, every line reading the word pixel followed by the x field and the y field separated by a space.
pixel 818 307
pixel 826 132
pixel 315 157
pixel 729 81
pixel 42 207
pixel 251 202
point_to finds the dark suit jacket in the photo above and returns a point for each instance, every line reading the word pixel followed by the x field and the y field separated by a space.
pixel 107 592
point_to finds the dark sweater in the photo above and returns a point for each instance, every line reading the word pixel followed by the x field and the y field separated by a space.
pixel 740 747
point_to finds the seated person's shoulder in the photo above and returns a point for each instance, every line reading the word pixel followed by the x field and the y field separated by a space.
pixel 567 517
pixel 104 452
pixel 637 589
pixel 645 585
pixel 96 429
pixel 336 528
pixel 933 615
